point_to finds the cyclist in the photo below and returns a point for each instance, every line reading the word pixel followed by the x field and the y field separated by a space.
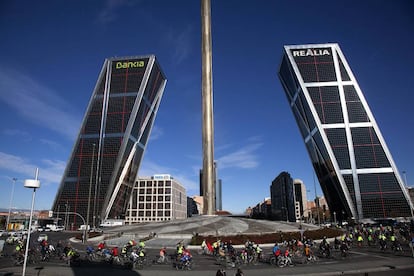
pixel 307 251
pixel 324 247
pixel 134 255
pixel 383 241
pixel 360 240
pixel 258 252
pixel 72 255
pixel 163 252
pixel 344 249
pixel 276 250
pixel 186 257
pixel 101 246
pixel 204 246
pixel 89 252
pixel 43 249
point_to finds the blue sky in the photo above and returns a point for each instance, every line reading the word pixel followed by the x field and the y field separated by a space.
pixel 52 52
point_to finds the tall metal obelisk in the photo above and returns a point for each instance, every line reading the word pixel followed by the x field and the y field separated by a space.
pixel 207 102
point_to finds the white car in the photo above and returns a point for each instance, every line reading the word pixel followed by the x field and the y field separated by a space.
pixel 3 233
pixel 59 228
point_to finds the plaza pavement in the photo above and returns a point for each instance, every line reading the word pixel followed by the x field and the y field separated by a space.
pixel 171 232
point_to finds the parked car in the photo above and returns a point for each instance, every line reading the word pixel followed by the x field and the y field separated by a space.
pixel 3 233
pixel 59 229
pixel 44 229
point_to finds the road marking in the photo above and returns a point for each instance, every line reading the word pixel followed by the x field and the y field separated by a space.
pixel 370 254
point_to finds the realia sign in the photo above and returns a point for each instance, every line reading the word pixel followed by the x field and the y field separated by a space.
pixel 311 52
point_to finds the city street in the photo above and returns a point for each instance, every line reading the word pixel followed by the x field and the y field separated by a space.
pixel 360 261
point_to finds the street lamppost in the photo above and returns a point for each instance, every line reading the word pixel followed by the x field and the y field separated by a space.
pixel 66 216
pixel 11 202
pixel 33 184
pixel 84 223
pixel 90 188
pixel 334 213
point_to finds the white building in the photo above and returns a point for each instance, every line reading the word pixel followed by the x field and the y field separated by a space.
pixel 156 198
pixel 300 197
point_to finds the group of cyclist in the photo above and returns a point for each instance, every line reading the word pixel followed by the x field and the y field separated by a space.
pixel 369 236
pixel 130 252
pixel 44 251
pixel 357 236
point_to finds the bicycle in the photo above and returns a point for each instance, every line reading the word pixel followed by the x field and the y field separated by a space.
pixel 311 259
pixel 184 264
pixel 397 248
pixel 166 259
pixel 284 260
pixel 139 262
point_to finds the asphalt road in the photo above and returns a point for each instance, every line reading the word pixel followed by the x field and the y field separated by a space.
pixel 360 261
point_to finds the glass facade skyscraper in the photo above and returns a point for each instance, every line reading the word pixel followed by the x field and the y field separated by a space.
pixel 282 196
pixel 354 166
pixel 107 153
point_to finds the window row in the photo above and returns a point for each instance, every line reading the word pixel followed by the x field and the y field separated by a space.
pixel 148 213
pixel 154 191
pixel 153 205
pixel 151 184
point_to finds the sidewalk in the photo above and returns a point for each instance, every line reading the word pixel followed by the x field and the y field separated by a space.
pixel 326 270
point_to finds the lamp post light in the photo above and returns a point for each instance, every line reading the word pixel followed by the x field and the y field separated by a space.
pixel 90 190
pixel 66 216
pixel 11 202
pixel 33 184
pixel 84 223
pixel 334 213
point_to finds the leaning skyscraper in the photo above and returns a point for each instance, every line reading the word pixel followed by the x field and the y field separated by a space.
pixel 354 166
pixel 107 153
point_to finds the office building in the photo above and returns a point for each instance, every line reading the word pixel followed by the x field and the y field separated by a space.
pixel 199 201
pixel 354 166
pixel 219 197
pixel 157 198
pixel 192 208
pixel 282 198
pixel 102 168
pixel 301 197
